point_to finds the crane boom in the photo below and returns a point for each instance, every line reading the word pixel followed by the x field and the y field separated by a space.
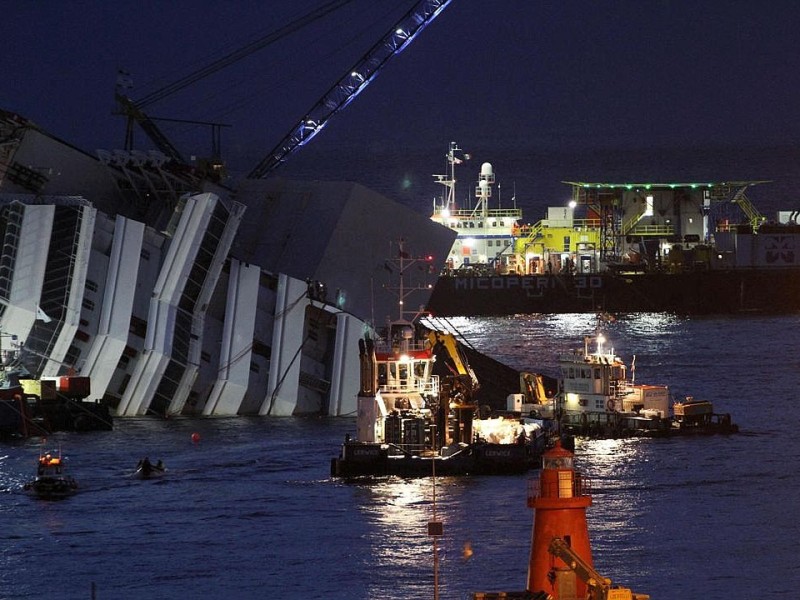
pixel 134 109
pixel 348 87
pixel 599 587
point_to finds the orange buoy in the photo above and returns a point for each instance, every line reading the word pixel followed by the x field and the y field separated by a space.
pixel 195 437
pixel 560 501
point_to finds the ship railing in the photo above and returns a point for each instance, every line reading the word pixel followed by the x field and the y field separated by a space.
pixel 578 485
pixel 751 212
pixel 514 213
pixel 650 230
pixel 575 357
pixel 528 233
pixel 382 345
pixel 429 387
pixel 575 224
pixel 620 388
pixel 628 225
pixel 425 387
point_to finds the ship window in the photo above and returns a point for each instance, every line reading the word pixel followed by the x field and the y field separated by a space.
pixel 72 355
pixel 597 373
pixel 124 384
pixel 490 243
pixel 254 367
pixel 205 356
pixel 572 372
pixel 382 374
pixel 403 375
pixel 91 285
pixel 145 254
pixel 494 223
pixel 88 304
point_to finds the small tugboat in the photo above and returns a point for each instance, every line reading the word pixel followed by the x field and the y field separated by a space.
pixel 51 482
pixel 598 400
pixel 412 421
pixel 147 470
pixel 561 565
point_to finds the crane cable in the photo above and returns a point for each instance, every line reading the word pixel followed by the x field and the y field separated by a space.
pixel 241 53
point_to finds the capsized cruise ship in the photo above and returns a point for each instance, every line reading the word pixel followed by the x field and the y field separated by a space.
pixel 177 295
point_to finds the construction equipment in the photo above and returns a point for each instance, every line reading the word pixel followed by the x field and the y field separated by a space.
pixel 597 586
pixel 353 83
pixel 134 109
pixel 445 347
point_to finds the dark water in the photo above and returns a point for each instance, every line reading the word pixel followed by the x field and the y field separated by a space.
pixel 250 511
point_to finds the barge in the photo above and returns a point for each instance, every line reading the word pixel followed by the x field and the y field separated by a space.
pixel 695 248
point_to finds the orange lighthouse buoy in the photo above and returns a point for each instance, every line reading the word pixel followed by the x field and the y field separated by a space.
pixel 560 500
pixel 560 565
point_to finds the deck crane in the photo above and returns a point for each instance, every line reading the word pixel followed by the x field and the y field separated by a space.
pixel 348 87
pixel 134 109
pixel 598 587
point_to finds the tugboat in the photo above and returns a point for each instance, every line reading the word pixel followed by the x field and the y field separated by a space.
pixel 597 399
pixel 51 482
pixel 412 422
pixel 560 565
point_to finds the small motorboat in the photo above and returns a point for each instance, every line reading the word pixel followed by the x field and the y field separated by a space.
pixel 147 470
pixel 51 482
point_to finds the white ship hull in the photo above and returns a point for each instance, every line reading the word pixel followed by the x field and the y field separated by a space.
pixel 178 296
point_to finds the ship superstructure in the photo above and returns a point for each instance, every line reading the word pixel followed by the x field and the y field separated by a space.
pixel 485 235
pixel 177 295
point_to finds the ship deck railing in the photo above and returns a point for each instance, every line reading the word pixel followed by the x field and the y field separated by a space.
pixel 651 230
pixel 424 387
pixel 514 213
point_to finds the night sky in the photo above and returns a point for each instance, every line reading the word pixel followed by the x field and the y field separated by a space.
pixel 554 74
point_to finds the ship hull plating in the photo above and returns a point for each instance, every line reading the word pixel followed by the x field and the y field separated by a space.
pixel 705 292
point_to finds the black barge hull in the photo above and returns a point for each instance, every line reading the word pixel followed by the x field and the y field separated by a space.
pixel 376 460
pixel 701 292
